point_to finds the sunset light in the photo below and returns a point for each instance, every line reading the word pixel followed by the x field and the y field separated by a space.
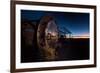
pixel 80 37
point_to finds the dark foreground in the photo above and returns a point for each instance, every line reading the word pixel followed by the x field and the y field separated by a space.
pixel 74 49
pixel 69 49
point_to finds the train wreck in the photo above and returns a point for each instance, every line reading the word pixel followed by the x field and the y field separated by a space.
pixel 45 36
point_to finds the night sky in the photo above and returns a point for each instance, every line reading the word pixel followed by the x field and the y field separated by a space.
pixel 77 23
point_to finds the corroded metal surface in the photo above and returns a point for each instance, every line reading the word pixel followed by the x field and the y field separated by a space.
pixel 47 37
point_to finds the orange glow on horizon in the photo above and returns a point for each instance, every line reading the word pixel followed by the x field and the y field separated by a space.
pixel 80 36
pixel 85 35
